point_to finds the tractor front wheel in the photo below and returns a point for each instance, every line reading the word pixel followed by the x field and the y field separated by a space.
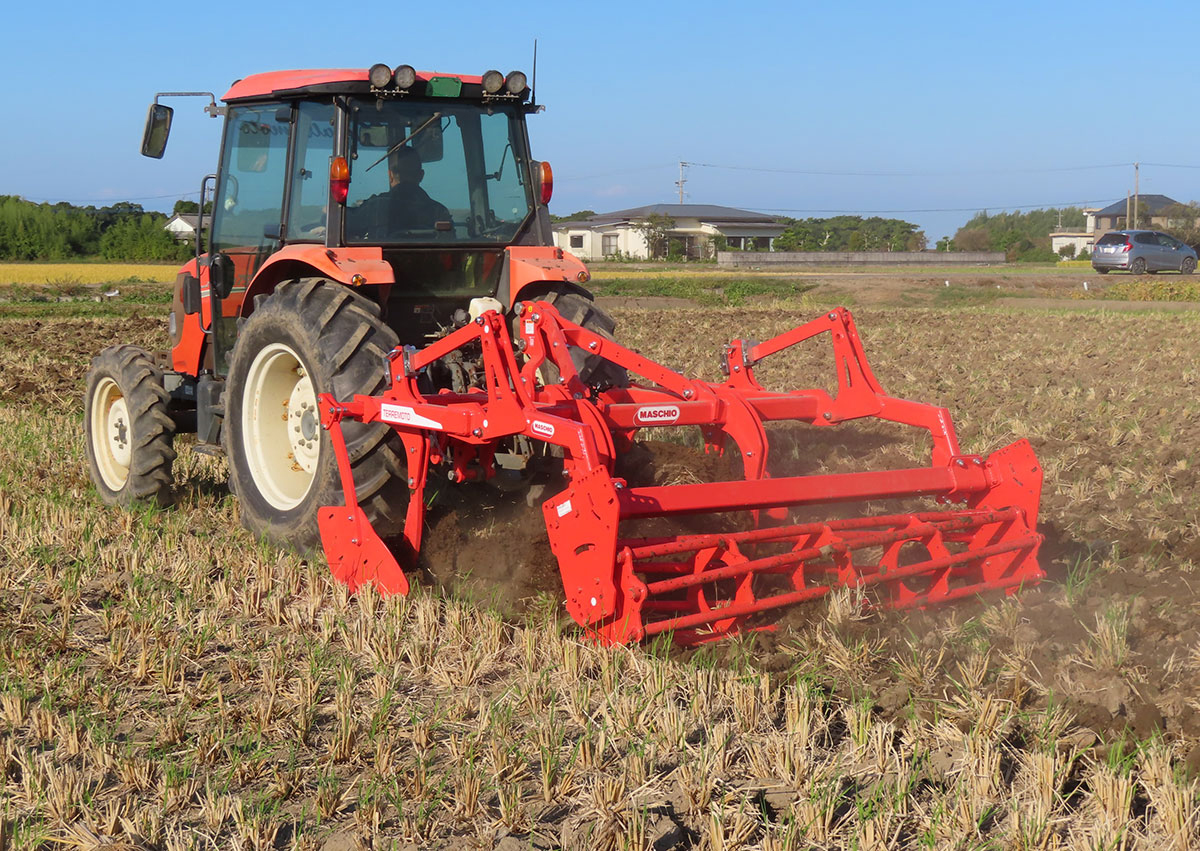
pixel 129 431
pixel 310 336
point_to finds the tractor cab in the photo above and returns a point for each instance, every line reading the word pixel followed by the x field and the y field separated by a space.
pixel 409 186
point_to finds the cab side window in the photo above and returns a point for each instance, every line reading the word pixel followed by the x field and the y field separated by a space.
pixel 250 192
pixel 310 183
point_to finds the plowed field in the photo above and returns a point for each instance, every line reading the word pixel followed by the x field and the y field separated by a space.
pixel 167 681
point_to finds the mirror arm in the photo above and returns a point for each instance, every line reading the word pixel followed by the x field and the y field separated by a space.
pixel 212 109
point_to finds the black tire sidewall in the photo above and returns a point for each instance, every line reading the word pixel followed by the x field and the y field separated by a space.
pixel 583 311
pixel 151 432
pixel 340 340
pixel 296 526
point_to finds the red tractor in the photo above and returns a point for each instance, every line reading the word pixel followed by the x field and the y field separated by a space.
pixel 353 210
pixel 379 300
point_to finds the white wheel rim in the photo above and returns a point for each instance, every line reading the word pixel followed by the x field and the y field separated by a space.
pixel 281 429
pixel 112 436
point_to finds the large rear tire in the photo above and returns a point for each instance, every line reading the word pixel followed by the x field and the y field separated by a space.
pixel 1138 266
pixel 129 433
pixel 593 369
pixel 310 336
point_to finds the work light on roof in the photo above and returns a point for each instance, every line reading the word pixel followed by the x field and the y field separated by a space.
pixel 514 83
pixel 380 75
pixel 405 76
pixel 492 82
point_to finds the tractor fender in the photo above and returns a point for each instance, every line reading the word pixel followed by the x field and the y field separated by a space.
pixel 539 289
pixel 188 329
pixel 533 270
pixel 354 267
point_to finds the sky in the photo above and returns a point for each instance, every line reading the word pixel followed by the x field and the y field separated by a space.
pixel 927 112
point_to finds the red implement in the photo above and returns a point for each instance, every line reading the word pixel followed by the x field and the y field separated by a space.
pixel 624 588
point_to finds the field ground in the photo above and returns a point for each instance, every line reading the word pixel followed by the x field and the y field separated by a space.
pixel 166 681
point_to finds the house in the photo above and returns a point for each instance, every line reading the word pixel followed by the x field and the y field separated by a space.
pixel 697 229
pixel 1153 207
pixel 183 226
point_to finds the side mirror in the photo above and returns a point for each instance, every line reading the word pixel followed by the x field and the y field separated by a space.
pixel 221 274
pixel 158 128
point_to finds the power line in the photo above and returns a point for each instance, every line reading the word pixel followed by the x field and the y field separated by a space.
pixel 571 178
pixel 823 173
pixel 973 209
pixel 1171 165
pixel 114 199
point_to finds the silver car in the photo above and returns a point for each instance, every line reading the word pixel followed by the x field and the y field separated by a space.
pixel 1140 251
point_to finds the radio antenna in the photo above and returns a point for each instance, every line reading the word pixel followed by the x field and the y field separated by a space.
pixel 533 88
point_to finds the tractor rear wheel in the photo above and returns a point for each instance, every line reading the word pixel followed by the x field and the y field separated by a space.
pixel 310 336
pixel 593 369
pixel 129 431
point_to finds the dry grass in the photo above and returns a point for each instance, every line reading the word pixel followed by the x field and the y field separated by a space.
pixel 65 274
pixel 168 682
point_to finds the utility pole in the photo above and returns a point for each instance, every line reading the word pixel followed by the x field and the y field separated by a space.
pixel 682 180
pixel 1135 195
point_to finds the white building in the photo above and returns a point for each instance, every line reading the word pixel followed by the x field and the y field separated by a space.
pixel 695 233
pixel 1080 240
pixel 183 227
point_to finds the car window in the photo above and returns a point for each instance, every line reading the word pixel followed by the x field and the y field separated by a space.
pixel 1112 239
pixel 1145 239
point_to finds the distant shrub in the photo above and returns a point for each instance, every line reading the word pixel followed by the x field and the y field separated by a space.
pixel 1157 290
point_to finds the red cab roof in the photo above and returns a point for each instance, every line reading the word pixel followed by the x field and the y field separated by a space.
pixel 276 82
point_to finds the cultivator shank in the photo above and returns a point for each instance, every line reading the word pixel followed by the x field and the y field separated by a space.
pixel 622 586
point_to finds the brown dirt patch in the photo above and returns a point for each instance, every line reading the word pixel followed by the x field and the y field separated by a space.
pixel 45 361
pixel 490 546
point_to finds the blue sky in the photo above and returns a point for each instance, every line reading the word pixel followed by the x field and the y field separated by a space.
pixel 930 110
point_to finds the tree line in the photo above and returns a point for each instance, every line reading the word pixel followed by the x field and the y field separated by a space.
pixel 1021 236
pixel 850 233
pixel 1183 222
pixel 120 232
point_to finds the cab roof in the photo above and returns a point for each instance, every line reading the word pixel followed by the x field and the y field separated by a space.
pixel 279 84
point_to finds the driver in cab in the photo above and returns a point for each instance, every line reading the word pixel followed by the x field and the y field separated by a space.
pixel 404 207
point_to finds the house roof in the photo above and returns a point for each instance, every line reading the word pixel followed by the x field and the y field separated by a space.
pixel 189 219
pixel 710 213
pixel 1150 203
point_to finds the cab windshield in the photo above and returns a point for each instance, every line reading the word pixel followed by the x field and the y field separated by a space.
pixel 430 172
